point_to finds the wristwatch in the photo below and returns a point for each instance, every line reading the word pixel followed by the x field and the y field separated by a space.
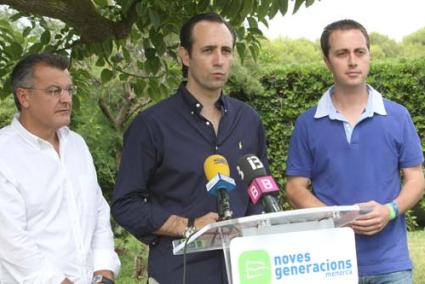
pixel 102 279
pixel 190 228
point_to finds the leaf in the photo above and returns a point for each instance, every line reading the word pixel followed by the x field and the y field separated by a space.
pixel 126 54
pixel 152 65
pixel 202 5
pixel 308 3
pixel 139 87
pixel 283 8
pixel 274 8
pixel 101 3
pixel 150 53
pixel 16 16
pixel 15 50
pixel 36 47
pixel 297 5
pixel 263 9
pixel 123 77
pixel 252 22
pixel 155 18
pixel 26 31
pixel 76 103
pixel 100 62
pixel 106 75
pixel 158 41
pixel 234 7
pixel 241 49
pixel 247 7
pixel 45 37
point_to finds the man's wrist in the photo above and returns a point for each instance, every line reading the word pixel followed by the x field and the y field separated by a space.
pixel 102 279
pixel 394 209
pixel 190 228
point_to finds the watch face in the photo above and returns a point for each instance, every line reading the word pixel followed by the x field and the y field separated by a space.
pixel 189 231
pixel 97 279
pixel 101 279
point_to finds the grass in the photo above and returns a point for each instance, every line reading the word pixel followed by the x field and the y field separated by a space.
pixel 417 253
pixel 130 248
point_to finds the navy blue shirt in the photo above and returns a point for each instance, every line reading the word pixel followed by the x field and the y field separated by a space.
pixel 161 174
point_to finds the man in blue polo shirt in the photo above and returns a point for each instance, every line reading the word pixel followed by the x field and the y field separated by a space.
pixel 351 148
pixel 160 190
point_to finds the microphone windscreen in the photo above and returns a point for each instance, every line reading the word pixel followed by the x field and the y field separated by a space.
pixel 249 167
pixel 216 164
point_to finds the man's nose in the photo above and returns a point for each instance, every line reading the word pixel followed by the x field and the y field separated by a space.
pixel 352 61
pixel 218 58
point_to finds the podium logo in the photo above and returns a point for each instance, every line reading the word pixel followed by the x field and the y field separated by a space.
pixel 255 267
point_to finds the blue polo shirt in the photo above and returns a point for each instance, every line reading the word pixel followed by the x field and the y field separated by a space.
pixel 161 174
pixel 351 165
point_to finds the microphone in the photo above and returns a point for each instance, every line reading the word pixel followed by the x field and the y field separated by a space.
pixel 219 183
pixel 260 186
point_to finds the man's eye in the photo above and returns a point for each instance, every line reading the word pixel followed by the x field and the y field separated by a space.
pixel 55 91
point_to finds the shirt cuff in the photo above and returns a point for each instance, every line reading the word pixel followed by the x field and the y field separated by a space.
pixel 106 259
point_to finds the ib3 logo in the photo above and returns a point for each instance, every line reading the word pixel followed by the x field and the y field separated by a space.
pixel 255 267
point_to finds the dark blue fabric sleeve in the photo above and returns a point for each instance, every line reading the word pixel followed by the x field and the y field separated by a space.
pixel 131 206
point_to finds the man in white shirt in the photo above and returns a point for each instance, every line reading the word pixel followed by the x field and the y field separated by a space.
pixel 54 222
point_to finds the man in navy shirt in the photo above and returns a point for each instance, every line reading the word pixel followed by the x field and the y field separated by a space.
pixel 160 190
pixel 351 148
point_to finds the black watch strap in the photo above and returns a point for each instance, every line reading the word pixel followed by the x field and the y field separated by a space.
pixel 191 222
pixel 102 279
pixel 190 228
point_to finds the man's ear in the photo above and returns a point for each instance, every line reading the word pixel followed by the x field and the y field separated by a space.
pixel 23 98
pixel 184 56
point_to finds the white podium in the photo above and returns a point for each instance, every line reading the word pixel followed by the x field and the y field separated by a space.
pixel 296 246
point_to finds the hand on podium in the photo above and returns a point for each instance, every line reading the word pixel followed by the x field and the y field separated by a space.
pixel 372 222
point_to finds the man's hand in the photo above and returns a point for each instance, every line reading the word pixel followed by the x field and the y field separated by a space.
pixel 208 218
pixel 175 225
pixel 372 222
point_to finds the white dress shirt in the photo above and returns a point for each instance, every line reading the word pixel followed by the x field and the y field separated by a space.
pixel 54 221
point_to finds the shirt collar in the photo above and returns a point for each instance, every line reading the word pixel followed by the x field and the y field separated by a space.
pixel 195 105
pixel 375 104
pixel 34 139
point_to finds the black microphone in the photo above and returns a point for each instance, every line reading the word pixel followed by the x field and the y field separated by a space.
pixel 260 185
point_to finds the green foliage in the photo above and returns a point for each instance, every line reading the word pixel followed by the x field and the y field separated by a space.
pixel 284 51
pixel 417 38
pixel 416 241
pixel 132 41
pixel 7 110
pixel 133 255
pixel 388 47
pixel 104 143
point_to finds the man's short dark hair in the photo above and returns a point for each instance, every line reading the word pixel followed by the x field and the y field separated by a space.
pixel 23 73
pixel 186 32
pixel 346 24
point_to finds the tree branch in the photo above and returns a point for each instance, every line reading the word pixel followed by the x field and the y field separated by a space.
pixel 81 15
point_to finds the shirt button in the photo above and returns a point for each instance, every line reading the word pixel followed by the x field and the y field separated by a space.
pixel 198 105
pixel 216 147
pixel 208 123
pixel 192 112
